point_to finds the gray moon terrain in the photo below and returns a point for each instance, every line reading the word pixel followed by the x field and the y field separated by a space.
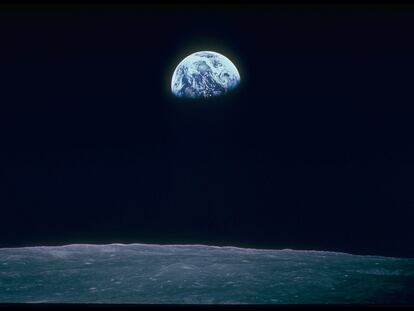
pixel 198 274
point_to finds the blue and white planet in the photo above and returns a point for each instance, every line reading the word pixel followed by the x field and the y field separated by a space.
pixel 204 74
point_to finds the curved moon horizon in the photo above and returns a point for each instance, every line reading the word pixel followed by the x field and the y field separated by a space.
pixel 204 74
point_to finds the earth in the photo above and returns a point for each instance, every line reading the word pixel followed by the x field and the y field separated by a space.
pixel 199 274
pixel 204 74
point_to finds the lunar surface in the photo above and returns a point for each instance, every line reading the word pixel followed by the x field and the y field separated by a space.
pixel 204 74
pixel 197 274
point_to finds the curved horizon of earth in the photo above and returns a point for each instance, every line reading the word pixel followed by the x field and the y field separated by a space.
pixel 200 274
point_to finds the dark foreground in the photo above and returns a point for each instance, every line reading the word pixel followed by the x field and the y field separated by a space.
pixel 197 274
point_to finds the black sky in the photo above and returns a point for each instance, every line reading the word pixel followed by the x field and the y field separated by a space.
pixel 315 150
